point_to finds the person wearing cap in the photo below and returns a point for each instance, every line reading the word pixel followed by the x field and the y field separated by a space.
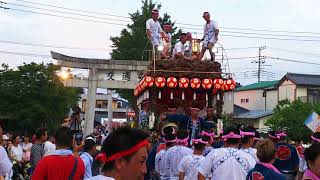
pixel 170 140
pixel 144 115
pixel 287 158
pixel 179 48
pixel 228 162
pixel 247 135
pixel 176 153
pixel 210 36
pixel 154 31
pixel 5 139
pixel 125 153
pixel 188 167
pixel 166 41
pixel 89 150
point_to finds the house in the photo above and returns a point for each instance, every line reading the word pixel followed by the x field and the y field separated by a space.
pixel 120 107
pixel 257 96
pixel 255 118
pixel 305 87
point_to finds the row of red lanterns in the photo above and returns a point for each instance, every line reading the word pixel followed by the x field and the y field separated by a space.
pixel 194 83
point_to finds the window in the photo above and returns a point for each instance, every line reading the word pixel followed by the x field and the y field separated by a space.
pixel 244 100
pixel 119 104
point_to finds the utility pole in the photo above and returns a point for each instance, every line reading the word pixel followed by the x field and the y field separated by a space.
pixel 260 62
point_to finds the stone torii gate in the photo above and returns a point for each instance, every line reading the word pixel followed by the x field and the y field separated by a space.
pixel 103 73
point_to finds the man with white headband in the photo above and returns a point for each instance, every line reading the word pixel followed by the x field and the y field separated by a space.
pixel 176 153
pixel 287 158
pixel 247 135
pixel 228 162
pixel 154 31
pixel 210 36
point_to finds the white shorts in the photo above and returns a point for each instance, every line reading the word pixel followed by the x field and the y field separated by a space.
pixel 213 40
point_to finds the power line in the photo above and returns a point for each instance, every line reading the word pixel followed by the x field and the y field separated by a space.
pixel 72 9
pixel 50 46
pixel 194 25
pixel 295 61
pixel 282 39
pixel 111 23
pixel 25 54
pixel 67 17
pixel 295 52
pixel 71 13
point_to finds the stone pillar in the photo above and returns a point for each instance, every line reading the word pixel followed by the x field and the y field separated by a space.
pixel 91 101
pixel 110 111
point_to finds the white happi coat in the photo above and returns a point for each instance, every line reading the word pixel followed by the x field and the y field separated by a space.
pixel 174 157
pixel 252 152
pixel 160 165
pixel 189 165
pixel 226 164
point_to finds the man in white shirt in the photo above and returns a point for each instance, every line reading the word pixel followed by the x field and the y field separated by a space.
pixel 90 149
pixel 228 162
pixel 154 31
pixel 179 48
pixel 49 145
pixel 5 163
pixel 176 153
pixel 210 36
pixel 167 40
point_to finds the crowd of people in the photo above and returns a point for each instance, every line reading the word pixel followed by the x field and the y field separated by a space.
pixel 161 37
pixel 168 154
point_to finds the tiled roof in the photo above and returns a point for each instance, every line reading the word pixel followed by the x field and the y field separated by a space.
pixel 303 79
pixel 254 114
pixel 260 85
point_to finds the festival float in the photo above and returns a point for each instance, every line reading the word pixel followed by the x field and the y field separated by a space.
pixel 170 83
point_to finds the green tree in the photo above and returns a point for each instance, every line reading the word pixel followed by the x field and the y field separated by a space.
pixel 132 44
pixel 290 116
pixel 34 95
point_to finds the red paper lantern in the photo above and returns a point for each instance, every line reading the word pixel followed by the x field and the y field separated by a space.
pixel 172 82
pixel 207 83
pixel 139 89
pixel 160 82
pixel 135 92
pixel 183 82
pixel 218 83
pixel 195 83
pixel 148 81
pixel 233 84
